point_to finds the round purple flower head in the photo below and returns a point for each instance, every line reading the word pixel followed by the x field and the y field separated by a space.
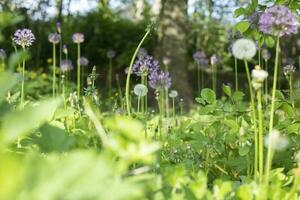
pixel 78 38
pixel 142 53
pixel 66 65
pixel 58 27
pixel 266 54
pixel 2 54
pixel 214 60
pixel 145 66
pixel 24 37
pixel 65 49
pixel 200 58
pixel 289 70
pixel 54 38
pixel 160 80
pixel 110 54
pixel 278 21
pixel 84 61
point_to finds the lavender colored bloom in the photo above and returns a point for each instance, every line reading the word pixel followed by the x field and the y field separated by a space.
pixel 145 66
pixel 160 80
pixel 83 61
pixel 279 21
pixel 2 54
pixel 58 27
pixel 142 53
pixel 214 60
pixel 65 49
pixel 54 38
pixel 289 70
pixel 266 55
pixel 110 54
pixel 200 58
pixel 66 65
pixel 24 37
pixel 78 38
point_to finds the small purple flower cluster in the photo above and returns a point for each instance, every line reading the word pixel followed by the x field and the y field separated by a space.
pixel 54 38
pixel 200 58
pixel 66 65
pixel 279 21
pixel 145 66
pixel 78 38
pixel 110 54
pixel 160 80
pixel 84 61
pixel 24 37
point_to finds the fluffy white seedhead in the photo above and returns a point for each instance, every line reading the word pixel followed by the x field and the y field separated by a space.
pixel 173 94
pixel 244 49
pixel 140 90
pixel 277 141
pixel 259 75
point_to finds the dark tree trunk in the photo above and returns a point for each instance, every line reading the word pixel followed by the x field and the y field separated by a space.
pixel 172 43
pixel 60 4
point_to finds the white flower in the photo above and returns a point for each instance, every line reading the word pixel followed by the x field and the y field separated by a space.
pixel 173 94
pixel 277 141
pixel 140 90
pixel 259 75
pixel 244 49
pixel 166 61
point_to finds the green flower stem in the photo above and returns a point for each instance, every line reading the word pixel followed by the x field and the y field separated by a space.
pixel 236 75
pixel 120 92
pixel 253 113
pixel 127 92
pixel 260 136
pixel 138 108
pixel 173 107
pixel 266 83
pixel 167 102
pixel 110 78
pixel 23 83
pixel 143 81
pixel 198 79
pixel 54 71
pixel 291 90
pixel 270 151
pixel 78 70
pixel 64 93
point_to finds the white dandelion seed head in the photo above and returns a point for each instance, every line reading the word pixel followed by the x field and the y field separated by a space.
pixel 140 90
pixel 276 141
pixel 244 49
pixel 259 74
pixel 173 94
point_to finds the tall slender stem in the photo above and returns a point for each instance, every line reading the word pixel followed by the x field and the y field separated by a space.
pixel 54 71
pixel 198 79
pixel 110 78
pixel 128 105
pixel 291 89
pixel 22 84
pixel 78 70
pixel 236 75
pixel 253 120
pixel 270 151
pixel 261 136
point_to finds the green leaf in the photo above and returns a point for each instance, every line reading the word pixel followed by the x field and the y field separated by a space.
pixel 227 90
pixel 53 138
pixel 17 58
pixel 238 96
pixel 7 81
pixel 208 95
pixel 243 26
pixel 270 42
pixel 18 123
pixel 240 11
pixel 293 128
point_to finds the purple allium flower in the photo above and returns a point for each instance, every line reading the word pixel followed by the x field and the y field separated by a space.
pixel 58 27
pixel 289 70
pixel 54 38
pixel 214 60
pixel 110 54
pixel 200 58
pixel 65 49
pixel 266 55
pixel 142 53
pixel 66 65
pixel 78 38
pixel 278 21
pixel 145 66
pixel 83 61
pixel 160 80
pixel 24 37
pixel 2 54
